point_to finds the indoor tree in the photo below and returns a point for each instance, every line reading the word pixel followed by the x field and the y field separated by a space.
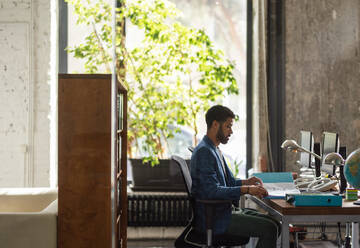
pixel 173 74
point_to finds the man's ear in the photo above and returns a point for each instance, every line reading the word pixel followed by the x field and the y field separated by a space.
pixel 215 124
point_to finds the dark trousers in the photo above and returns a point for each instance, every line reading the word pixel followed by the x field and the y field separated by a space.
pixel 251 223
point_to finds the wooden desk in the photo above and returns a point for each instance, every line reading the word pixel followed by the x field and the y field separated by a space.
pixel 287 214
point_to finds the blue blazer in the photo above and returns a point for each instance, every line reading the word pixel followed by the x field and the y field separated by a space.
pixel 208 182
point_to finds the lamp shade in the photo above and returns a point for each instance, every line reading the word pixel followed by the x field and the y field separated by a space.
pixel 334 158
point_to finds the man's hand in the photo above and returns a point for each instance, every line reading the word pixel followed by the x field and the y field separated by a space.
pixel 258 191
pixel 252 181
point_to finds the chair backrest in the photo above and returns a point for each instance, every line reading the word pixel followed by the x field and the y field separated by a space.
pixel 185 172
pixel 191 148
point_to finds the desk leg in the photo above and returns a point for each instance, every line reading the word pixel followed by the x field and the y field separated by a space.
pixel 355 235
pixel 285 243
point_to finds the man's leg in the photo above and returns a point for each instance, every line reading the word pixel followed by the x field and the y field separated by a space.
pixel 248 222
pixel 254 212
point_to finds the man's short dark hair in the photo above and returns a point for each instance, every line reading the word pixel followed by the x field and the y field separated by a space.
pixel 218 113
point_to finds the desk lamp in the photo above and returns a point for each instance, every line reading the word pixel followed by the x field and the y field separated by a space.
pixel 336 159
pixel 291 145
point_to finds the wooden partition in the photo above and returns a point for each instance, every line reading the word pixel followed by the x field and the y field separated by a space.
pixel 91 207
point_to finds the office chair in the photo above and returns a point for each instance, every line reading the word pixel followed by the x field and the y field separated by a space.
pixel 192 238
pixel 191 148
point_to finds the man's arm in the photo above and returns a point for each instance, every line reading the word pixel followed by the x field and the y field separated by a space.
pixel 234 181
pixel 252 185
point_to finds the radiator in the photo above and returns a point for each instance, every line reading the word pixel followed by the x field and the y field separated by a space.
pixel 158 210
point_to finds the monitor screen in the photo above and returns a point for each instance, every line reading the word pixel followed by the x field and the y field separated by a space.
pixel 330 143
pixel 306 141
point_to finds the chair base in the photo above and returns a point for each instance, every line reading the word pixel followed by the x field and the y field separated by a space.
pixel 190 238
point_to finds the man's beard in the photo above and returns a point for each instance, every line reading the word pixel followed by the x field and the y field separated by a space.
pixel 221 136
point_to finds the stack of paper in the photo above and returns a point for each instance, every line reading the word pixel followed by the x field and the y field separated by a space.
pixel 278 184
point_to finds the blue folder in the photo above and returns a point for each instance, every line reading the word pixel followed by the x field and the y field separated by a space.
pixel 314 200
pixel 277 182
pixel 275 177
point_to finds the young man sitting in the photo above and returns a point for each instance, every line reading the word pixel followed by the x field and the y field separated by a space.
pixel 212 179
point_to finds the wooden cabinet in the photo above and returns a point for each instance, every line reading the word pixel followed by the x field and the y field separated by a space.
pixel 92 162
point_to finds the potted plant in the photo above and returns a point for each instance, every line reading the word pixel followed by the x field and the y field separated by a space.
pixel 172 75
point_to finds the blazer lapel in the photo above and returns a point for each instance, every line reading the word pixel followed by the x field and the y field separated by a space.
pixel 220 168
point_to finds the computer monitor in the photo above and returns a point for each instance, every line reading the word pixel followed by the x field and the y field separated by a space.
pixel 306 141
pixel 330 143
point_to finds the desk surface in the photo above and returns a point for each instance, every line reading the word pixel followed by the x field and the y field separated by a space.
pixel 285 208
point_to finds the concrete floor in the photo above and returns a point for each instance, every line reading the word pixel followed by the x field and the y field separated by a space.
pixel 317 244
pixel 163 243
pixel 169 243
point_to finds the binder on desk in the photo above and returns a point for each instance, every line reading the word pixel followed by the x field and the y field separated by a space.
pixel 278 184
pixel 314 200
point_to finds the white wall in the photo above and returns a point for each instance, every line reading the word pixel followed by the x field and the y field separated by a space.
pixel 25 76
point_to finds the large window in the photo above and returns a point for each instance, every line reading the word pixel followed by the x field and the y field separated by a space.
pixel 225 22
